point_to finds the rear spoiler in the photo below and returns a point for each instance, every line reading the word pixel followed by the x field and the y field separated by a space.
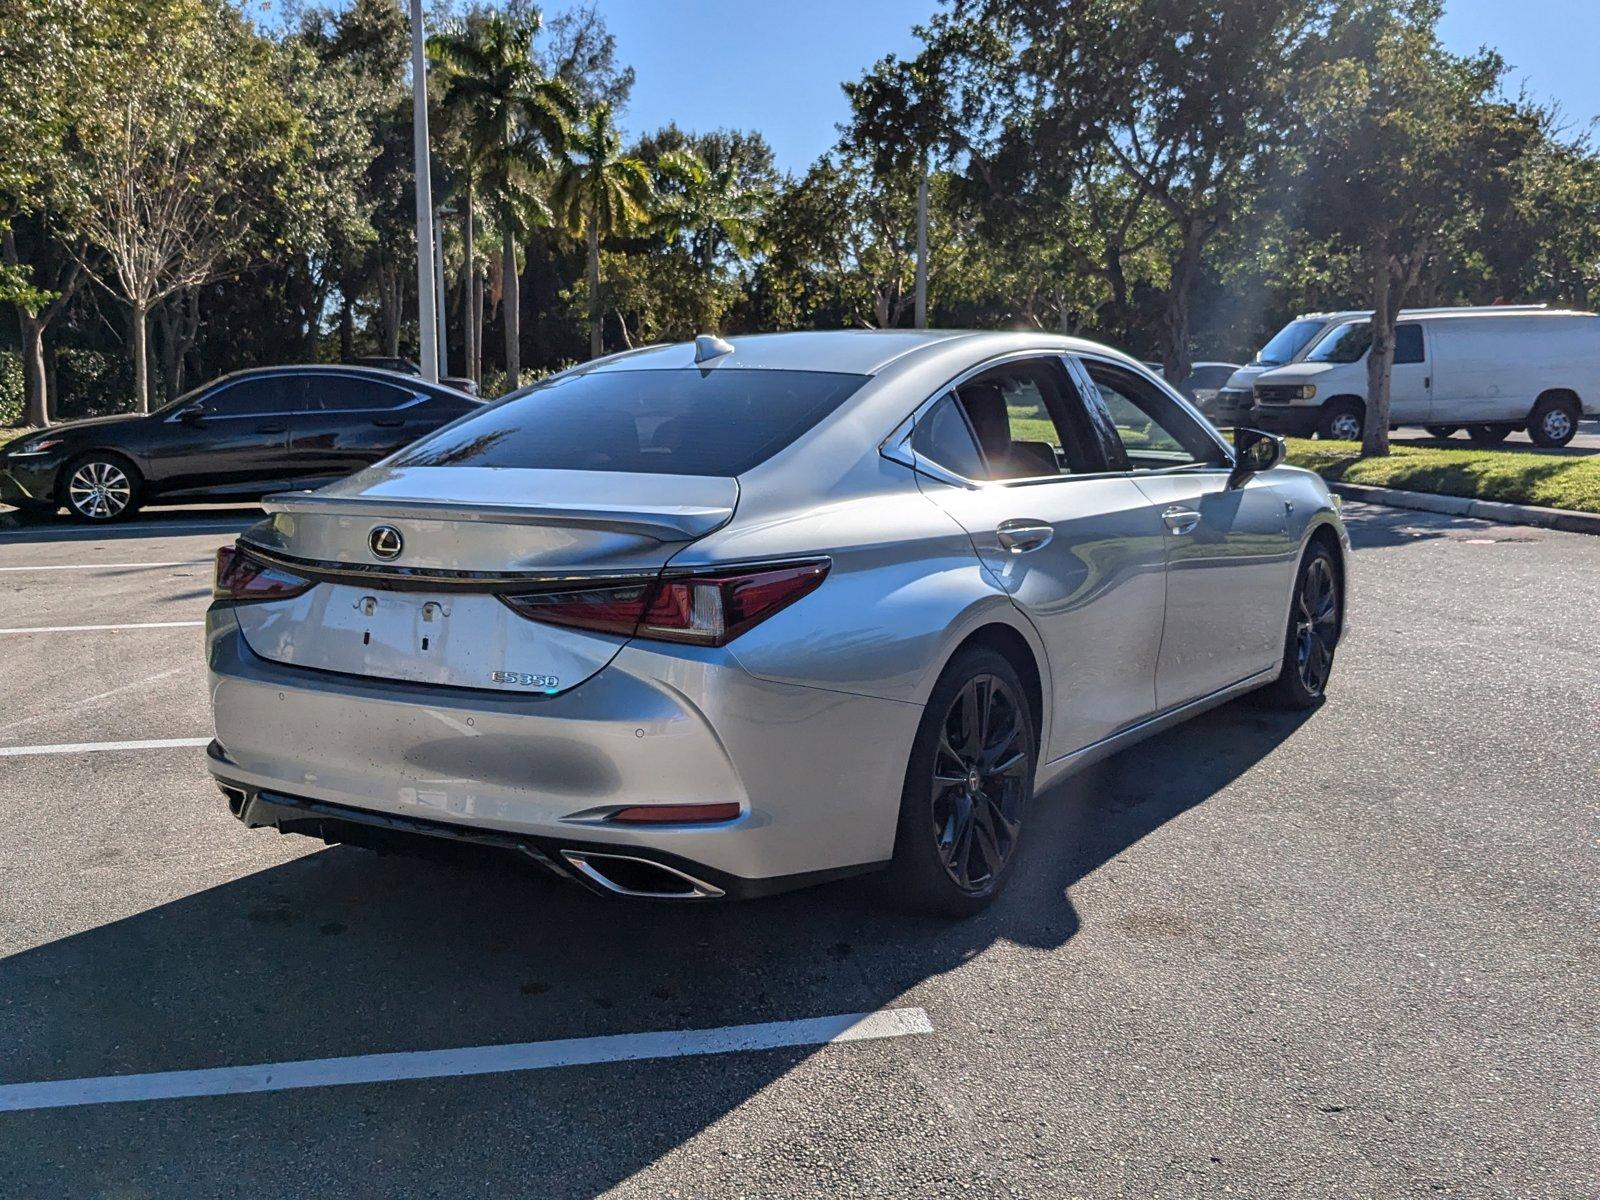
pixel 664 523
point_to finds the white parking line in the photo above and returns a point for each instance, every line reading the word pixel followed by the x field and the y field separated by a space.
pixel 96 747
pixel 190 562
pixel 104 628
pixel 470 1060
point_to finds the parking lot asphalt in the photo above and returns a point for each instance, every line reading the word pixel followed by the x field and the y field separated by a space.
pixel 1347 954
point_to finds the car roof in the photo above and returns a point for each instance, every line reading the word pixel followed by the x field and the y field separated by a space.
pixel 401 378
pixel 843 351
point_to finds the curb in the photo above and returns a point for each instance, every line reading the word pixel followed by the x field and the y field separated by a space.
pixel 1461 506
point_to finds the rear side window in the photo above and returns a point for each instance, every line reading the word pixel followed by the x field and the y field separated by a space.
pixel 943 436
pixel 718 422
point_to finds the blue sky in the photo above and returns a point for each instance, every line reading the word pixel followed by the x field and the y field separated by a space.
pixel 777 67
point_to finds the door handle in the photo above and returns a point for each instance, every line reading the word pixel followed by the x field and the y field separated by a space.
pixel 388 422
pixel 1022 537
pixel 272 429
pixel 1180 520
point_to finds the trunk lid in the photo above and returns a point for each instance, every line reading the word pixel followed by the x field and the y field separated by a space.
pixel 419 604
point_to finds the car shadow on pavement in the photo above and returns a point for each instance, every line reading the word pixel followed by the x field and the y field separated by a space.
pixel 21 527
pixel 342 952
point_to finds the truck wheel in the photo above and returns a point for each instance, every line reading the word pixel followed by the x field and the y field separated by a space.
pixel 1553 421
pixel 1441 431
pixel 1488 435
pixel 1341 420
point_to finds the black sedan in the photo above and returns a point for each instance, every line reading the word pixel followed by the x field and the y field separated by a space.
pixel 237 437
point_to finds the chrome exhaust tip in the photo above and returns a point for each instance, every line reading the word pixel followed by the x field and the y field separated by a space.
pixel 640 878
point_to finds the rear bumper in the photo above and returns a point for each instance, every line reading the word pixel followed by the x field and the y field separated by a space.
pixel 817 774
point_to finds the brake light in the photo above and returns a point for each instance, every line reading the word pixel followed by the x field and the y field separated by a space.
pixel 708 609
pixel 241 577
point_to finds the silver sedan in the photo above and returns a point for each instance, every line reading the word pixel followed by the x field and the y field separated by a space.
pixel 722 619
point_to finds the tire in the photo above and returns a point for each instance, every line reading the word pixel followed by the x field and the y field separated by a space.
pixel 1315 622
pixel 1441 431
pixel 1553 421
pixel 100 487
pixel 1341 420
pixel 963 806
pixel 1488 435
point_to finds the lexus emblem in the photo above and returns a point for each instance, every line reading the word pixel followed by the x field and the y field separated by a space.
pixel 385 542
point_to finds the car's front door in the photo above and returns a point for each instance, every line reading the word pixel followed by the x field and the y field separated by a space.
pixel 1230 556
pixel 1079 549
pixel 233 437
pixel 1411 381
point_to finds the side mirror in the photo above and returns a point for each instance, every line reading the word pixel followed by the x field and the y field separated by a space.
pixel 192 413
pixel 1255 451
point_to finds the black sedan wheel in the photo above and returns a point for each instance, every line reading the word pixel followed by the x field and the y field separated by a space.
pixel 100 488
pixel 967 789
pixel 1315 622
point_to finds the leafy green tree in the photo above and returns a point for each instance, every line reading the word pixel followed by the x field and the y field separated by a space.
pixel 1187 97
pixel 1404 139
pixel 516 123
pixel 601 192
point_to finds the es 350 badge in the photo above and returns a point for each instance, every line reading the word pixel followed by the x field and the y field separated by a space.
pixel 523 679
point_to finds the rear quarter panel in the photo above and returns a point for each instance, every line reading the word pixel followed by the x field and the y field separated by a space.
pixel 904 590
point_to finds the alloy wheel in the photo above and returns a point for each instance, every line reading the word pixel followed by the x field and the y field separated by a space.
pixel 980 782
pixel 1316 625
pixel 99 490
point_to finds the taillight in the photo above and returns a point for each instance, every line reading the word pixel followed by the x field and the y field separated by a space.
pixel 241 577
pixel 709 609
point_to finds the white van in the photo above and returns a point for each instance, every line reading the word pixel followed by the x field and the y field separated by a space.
pixel 1232 404
pixel 1489 370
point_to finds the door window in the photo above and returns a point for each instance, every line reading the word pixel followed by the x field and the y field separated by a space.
pixel 1022 421
pixel 1155 433
pixel 271 395
pixel 1407 343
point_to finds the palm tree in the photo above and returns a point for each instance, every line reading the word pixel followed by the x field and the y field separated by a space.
pixel 599 193
pixel 714 209
pixel 514 122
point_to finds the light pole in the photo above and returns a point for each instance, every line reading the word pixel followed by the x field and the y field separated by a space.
pixel 438 277
pixel 427 315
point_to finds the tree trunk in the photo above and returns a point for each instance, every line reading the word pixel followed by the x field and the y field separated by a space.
pixel 922 247
pixel 469 275
pixel 139 348
pixel 595 341
pixel 509 308
pixel 1380 358
pixel 35 400
pixel 347 327
pixel 1175 361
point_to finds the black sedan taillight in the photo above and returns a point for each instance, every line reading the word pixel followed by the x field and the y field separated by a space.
pixel 706 609
pixel 241 577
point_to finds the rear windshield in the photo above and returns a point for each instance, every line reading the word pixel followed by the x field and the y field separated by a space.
pixel 719 422
pixel 1288 342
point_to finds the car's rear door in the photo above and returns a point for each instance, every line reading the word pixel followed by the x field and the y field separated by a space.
pixel 1079 548
pixel 1230 557
pixel 354 420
